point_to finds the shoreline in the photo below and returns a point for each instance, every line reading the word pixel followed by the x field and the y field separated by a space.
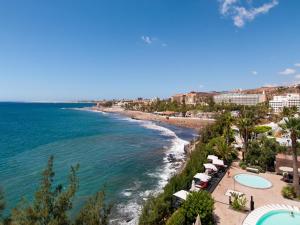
pixel 194 123
pixel 180 149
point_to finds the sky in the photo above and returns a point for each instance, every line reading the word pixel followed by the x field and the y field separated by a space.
pixel 61 50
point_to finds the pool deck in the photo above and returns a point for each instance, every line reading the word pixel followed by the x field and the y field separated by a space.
pixel 226 216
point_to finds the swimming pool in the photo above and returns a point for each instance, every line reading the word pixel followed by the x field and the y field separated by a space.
pixel 253 181
pixel 276 217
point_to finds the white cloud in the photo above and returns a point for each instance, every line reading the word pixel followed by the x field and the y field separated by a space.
pixel 297 64
pixel 254 72
pixel 147 39
pixel 297 76
pixel 225 5
pixel 242 13
pixel 288 71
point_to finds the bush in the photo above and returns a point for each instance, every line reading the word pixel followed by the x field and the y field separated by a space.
pixel 199 203
pixel 288 192
pixel 178 218
pixel 239 202
pixel 243 165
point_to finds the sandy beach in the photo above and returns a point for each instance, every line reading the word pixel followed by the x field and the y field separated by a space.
pixel 195 123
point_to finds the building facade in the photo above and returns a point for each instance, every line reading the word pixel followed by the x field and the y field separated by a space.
pixel 192 98
pixel 179 98
pixel 240 99
pixel 279 102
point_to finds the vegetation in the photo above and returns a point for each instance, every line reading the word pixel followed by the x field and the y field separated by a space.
pixel 178 218
pixel 222 149
pixel 292 125
pixel 52 204
pixel 262 129
pixel 262 153
pixel 158 209
pixel 199 203
pixel 288 192
pixel 239 201
pixel 245 124
pixel 289 111
pixel 2 203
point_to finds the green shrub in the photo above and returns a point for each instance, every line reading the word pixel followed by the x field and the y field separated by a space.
pixel 262 129
pixel 199 203
pixel 239 201
pixel 288 192
pixel 243 166
pixel 178 218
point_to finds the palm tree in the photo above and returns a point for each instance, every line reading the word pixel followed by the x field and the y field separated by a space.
pixel 221 148
pixel 245 124
pixel 292 125
pixel 227 123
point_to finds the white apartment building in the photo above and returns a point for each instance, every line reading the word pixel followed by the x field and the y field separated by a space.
pixel 289 100
pixel 240 99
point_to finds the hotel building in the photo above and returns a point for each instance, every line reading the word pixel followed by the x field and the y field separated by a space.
pixel 289 100
pixel 240 99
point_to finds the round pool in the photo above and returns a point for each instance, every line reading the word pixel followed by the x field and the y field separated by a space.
pixel 253 181
pixel 278 217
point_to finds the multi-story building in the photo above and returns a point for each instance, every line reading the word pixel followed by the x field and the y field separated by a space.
pixel 240 99
pixel 289 100
pixel 192 98
pixel 179 98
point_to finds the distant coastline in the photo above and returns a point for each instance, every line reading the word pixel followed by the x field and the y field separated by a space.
pixel 194 123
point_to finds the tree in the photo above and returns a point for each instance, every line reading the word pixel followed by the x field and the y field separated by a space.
pixel 177 218
pixel 245 124
pixel 2 203
pixel 227 121
pixel 199 203
pixel 292 125
pixel 289 111
pixel 95 211
pixel 221 148
pixel 262 152
pixel 51 204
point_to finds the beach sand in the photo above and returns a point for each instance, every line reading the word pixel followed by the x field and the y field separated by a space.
pixel 195 123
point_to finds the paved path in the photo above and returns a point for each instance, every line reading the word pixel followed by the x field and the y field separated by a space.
pixel 227 216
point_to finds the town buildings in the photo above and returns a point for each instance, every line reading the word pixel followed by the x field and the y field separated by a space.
pixel 289 100
pixel 240 99
pixel 192 98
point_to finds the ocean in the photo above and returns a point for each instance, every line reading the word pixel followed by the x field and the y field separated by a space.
pixel 128 157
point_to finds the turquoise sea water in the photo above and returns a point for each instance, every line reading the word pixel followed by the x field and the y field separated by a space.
pixel 252 181
pixel 279 217
pixel 127 156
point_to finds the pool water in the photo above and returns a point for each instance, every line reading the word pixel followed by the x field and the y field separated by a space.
pixel 252 181
pixel 279 217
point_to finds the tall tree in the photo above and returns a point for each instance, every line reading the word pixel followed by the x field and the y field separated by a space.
pixel 51 204
pixel 95 212
pixel 221 148
pixel 227 121
pixel 2 203
pixel 292 126
pixel 245 124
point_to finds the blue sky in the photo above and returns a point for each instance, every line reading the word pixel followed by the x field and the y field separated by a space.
pixel 69 49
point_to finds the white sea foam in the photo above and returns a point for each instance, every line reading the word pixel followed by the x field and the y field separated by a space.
pixel 132 210
pixel 87 109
